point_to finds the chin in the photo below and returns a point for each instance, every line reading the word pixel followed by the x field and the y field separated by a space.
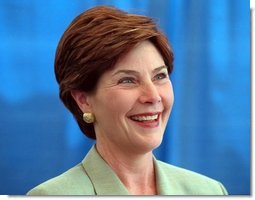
pixel 156 144
pixel 149 145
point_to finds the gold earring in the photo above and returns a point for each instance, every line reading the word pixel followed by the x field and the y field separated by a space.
pixel 88 118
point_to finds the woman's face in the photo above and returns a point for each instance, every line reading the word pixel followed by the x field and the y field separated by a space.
pixel 133 101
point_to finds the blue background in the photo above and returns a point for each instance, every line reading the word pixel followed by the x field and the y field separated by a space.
pixel 209 128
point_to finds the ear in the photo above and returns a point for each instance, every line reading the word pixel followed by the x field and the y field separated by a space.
pixel 81 99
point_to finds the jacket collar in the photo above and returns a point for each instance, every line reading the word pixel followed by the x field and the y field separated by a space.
pixel 165 185
pixel 103 178
pixel 106 182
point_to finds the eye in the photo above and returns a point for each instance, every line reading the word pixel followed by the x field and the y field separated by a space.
pixel 160 76
pixel 126 80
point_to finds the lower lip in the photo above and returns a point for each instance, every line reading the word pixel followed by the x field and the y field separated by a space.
pixel 148 124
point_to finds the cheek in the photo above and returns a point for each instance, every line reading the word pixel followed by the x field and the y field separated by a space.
pixel 167 95
pixel 117 103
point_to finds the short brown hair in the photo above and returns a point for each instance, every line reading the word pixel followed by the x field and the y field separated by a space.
pixel 93 43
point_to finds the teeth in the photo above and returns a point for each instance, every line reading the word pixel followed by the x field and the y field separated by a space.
pixel 145 118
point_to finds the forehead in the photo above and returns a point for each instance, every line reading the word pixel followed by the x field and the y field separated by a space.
pixel 143 56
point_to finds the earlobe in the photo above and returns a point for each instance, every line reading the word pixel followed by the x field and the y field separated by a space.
pixel 81 98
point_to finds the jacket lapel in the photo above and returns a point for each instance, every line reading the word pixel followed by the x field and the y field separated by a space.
pixel 103 178
pixel 166 185
pixel 106 182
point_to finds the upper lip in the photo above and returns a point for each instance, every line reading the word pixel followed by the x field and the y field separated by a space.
pixel 145 114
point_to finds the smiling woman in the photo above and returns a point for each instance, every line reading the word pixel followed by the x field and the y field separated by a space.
pixel 137 118
pixel 113 73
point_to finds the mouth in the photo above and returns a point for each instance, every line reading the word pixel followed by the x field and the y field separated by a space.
pixel 147 120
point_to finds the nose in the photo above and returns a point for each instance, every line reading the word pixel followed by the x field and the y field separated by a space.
pixel 150 94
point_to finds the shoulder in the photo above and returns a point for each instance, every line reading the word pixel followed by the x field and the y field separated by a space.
pixel 72 182
pixel 189 182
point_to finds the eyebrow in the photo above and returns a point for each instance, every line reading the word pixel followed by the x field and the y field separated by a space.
pixel 159 69
pixel 133 72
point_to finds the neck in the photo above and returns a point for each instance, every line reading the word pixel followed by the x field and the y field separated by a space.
pixel 135 171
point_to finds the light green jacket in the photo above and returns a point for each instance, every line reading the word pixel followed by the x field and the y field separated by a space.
pixel 93 176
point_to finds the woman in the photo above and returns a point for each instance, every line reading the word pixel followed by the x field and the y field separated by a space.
pixel 112 68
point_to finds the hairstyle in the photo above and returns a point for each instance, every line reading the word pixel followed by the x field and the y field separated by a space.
pixel 92 44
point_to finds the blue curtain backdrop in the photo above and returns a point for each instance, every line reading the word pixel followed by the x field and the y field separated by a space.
pixel 209 128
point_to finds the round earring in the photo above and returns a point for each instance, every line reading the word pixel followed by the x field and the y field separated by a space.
pixel 88 118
